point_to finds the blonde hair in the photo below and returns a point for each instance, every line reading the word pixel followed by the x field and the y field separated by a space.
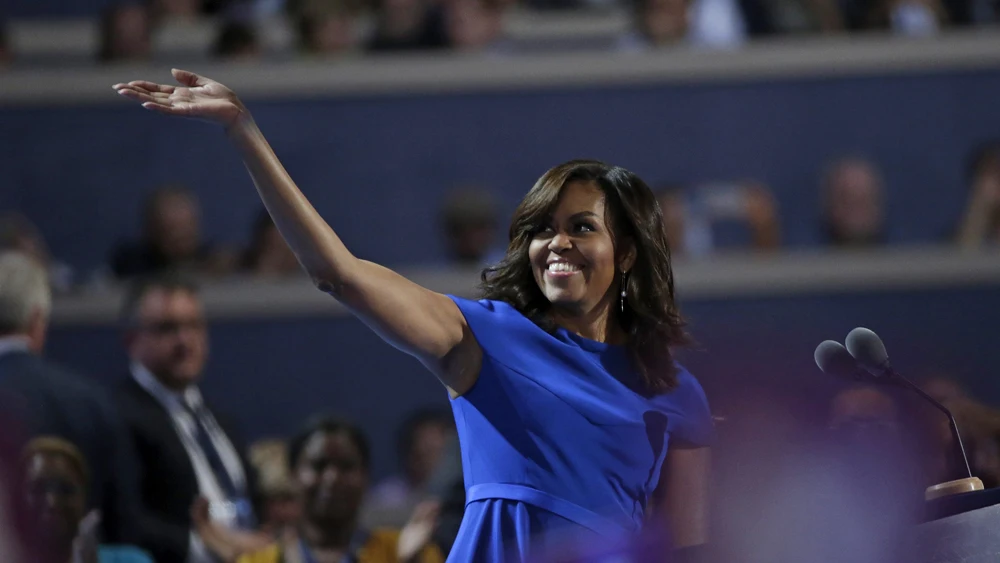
pixel 24 291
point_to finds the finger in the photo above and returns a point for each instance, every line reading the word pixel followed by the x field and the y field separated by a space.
pixel 187 78
pixel 199 508
pixel 164 109
pixel 140 97
pixel 153 86
pixel 153 95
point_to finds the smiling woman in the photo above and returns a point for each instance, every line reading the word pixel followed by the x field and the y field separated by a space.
pixel 572 415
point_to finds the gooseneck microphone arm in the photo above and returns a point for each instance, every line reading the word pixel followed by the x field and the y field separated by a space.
pixel 959 447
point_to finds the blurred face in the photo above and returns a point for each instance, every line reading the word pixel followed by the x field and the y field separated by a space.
pixel 428 446
pixel 176 227
pixel 130 32
pixel 333 477
pixel 171 338
pixel 855 209
pixel 861 412
pixel 470 24
pixel 572 255
pixel 665 21
pixel 56 495
pixel 334 34
pixel 470 243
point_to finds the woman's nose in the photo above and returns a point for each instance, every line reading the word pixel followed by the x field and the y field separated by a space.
pixel 559 242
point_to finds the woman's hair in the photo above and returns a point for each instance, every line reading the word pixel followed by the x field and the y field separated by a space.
pixel 651 317
pixel 328 425
pixel 52 445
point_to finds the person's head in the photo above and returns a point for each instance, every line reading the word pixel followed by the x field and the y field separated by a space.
pixel 469 217
pixel 422 438
pixel 5 54
pixel 176 9
pixel 165 329
pixel 579 231
pixel 282 503
pixel 56 489
pixel 330 460
pixel 328 28
pixel 25 299
pixel 662 22
pixel 125 32
pixel 19 234
pixel 853 209
pixel 473 24
pixel 172 222
pixel 237 41
pixel 268 253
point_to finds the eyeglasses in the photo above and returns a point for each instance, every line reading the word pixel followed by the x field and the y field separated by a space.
pixel 167 327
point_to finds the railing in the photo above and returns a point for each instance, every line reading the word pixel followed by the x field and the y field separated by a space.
pixel 744 276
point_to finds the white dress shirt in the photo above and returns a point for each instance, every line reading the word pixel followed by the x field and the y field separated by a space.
pixel 180 405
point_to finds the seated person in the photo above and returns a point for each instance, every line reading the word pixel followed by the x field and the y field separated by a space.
pixel 56 484
pixel 330 461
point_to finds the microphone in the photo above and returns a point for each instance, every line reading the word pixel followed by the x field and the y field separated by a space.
pixel 833 359
pixel 868 349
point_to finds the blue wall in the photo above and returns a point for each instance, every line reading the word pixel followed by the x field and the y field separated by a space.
pixel 377 168
pixel 274 373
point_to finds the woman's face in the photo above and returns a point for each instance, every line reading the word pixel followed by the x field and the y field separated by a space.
pixel 333 477
pixel 572 255
pixel 56 495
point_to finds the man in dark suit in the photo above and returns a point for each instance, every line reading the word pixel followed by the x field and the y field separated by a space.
pixel 185 450
pixel 46 399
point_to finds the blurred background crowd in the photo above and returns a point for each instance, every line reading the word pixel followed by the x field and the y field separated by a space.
pixel 127 241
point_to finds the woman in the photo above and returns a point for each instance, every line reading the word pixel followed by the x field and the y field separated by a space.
pixel 56 485
pixel 562 380
pixel 330 461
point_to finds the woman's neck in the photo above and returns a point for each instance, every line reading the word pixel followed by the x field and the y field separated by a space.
pixel 600 323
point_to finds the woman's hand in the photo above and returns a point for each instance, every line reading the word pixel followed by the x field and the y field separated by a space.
pixel 196 97
pixel 86 543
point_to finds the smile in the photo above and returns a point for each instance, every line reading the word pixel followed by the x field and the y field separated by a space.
pixel 563 269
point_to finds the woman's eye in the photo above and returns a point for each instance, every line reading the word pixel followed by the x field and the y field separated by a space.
pixel 585 227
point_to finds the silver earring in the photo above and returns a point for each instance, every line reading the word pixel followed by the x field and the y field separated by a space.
pixel 624 286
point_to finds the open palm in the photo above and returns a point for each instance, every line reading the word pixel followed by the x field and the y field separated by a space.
pixel 196 97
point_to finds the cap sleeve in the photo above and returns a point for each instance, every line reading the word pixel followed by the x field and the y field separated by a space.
pixel 693 426
pixel 495 324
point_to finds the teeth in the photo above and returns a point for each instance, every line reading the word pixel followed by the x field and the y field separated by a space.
pixel 563 267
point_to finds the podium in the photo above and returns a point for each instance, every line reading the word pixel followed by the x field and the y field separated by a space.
pixel 961 529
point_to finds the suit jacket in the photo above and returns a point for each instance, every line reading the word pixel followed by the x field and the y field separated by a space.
pixel 167 480
pixel 49 400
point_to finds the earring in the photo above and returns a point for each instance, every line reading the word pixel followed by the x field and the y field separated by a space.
pixel 623 286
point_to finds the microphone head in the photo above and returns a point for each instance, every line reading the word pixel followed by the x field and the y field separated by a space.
pixel 868 349
pixel 833 359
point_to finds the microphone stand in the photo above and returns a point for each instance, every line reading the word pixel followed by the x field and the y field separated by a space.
pixel 963 485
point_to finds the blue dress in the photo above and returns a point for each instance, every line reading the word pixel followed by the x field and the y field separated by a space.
pixel 558 445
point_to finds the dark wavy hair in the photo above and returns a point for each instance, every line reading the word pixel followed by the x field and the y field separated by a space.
pixel 651 318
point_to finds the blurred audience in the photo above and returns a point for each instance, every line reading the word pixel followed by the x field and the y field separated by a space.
pixel 422 439
pixel 328 27
pixel 980 225
pixel 471 223
pixel 176 9
pixel 331 463
pixel 46 399
pixel 185 448
pixel 125 33
pixel 695 223
pixel 475 25
pixel 56 476
pixel 269 255
pixel 6 56
pixel 172 239
pixel 280 499
pixel 407 25
pixel 237 41
pixel 698 23
pixel 853 208
pixel 19 234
